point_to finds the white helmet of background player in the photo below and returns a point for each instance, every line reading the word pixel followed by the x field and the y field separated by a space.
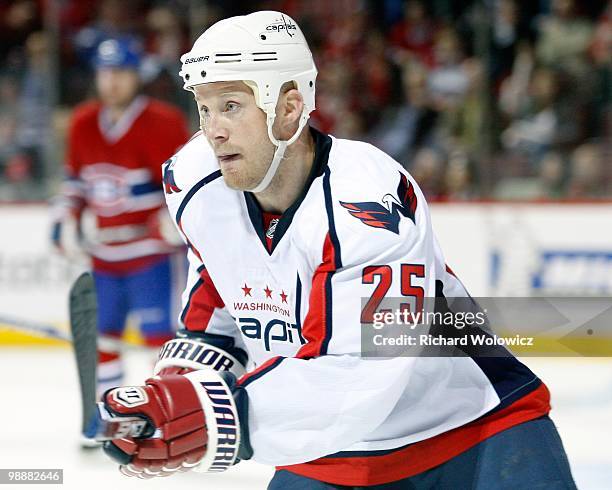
pixel 265 50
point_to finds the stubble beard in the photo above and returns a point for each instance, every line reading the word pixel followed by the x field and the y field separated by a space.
pixel 250 173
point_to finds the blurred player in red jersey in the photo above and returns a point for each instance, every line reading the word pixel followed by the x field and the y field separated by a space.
pixel 116 146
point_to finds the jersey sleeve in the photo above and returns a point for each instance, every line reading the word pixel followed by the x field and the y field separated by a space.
pixel 71 199
pixel 328 397
pixel 203 312
pixel 203 309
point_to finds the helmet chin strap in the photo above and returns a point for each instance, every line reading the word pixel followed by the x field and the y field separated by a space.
pixel 281 146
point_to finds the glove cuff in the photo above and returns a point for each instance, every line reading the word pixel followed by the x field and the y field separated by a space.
pixel 222 422
pixel 196 355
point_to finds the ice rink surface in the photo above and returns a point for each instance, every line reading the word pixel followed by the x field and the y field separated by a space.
pixel 40 420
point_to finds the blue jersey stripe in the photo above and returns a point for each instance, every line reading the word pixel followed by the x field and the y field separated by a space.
pixel 206 180
pixel 261 373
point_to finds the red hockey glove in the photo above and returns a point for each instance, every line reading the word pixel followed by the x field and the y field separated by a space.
pixel 191 421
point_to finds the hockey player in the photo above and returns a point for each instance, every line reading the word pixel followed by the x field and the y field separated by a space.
pixel 114 151
pixel 288 229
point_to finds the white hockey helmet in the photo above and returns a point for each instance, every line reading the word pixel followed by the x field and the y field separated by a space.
pixel 265 50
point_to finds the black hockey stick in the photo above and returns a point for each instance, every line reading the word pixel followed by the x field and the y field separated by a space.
pixel 98 424
pixel 83 325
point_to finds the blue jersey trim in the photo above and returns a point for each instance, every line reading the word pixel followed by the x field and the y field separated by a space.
pixel 206 180
pixel 255 377
pixel 195 287
pixel 333 236
pixel 330 217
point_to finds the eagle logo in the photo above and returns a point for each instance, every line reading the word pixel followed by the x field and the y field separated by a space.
pixel 388 214
pixel 170 186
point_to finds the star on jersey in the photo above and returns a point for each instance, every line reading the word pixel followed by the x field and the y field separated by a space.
pixel 268 292
pixel 283 296
pixel 386 216
pixel 246 289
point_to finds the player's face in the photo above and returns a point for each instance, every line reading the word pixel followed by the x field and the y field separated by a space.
pixel 236 129
pixel 117 86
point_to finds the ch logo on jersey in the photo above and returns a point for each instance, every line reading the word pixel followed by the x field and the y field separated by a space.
pixel 170 186
pixel 108 188
pixel 388 214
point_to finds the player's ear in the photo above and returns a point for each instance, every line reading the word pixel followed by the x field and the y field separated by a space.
pixel 291 104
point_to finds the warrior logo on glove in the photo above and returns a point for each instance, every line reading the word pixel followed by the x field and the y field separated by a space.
pixel 130 396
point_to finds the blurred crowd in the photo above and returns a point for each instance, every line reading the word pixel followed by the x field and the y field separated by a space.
pixel 478 99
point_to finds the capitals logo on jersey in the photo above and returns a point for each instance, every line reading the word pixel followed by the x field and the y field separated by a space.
pixel 170 186
pixel 388 214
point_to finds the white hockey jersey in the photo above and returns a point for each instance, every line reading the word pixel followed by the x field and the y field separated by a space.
pixel 316 407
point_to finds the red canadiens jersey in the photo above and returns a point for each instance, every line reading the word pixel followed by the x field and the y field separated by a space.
pixel 114 170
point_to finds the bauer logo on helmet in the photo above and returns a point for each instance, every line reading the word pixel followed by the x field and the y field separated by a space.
pixel 196 60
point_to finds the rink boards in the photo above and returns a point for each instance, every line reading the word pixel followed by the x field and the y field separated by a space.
pixel 547 249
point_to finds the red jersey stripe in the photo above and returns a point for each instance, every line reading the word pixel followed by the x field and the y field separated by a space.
pixel 317 324
pixel 201 305
pixel 421 456
pixel 189 244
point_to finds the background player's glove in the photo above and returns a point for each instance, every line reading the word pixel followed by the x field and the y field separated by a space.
pixel 160 226
pixel 67 238
pixel 191 422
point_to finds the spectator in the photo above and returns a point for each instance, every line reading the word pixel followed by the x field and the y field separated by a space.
pixel 34 120
pixel 587 173
pixel 8 149
pixel 166 40
pixel 564 38
pixel 552 176
pixel 9 96
pixel 458 180
pixel 601 75
pixel 428 169
pixel 448 81
pixel 346 36
pixel 165 43
pixel 375 79
pixel 334 94
pixel 532 132
pixel 404 129
pixel 466 120
pixel 17 20
pixel 507 33
pixel 404 74
pixel 413 37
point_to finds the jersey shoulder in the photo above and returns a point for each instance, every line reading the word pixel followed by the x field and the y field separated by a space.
pixel 85 113
pixel 359 167
pixel 360 171
pixel 374 199
pixel 192 163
